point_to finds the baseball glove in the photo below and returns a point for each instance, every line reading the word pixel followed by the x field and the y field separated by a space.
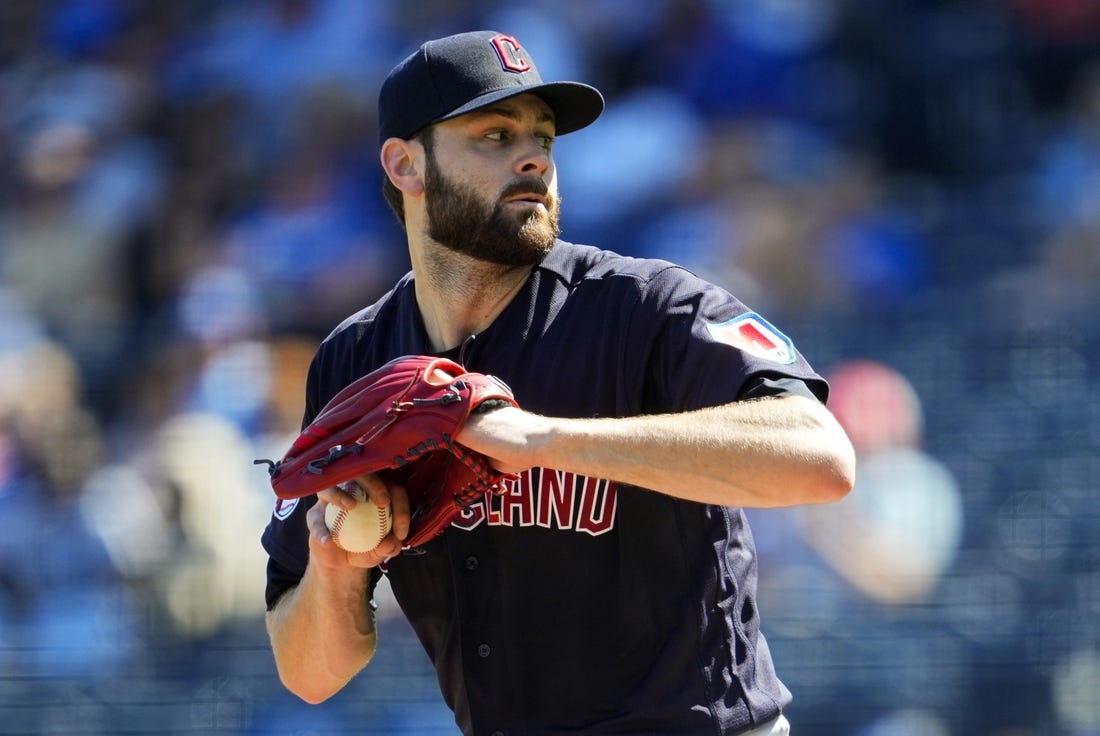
pixel 399 422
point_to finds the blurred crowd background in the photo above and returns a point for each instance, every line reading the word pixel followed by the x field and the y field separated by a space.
pixel 189 201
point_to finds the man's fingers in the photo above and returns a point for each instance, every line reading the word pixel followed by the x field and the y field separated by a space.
pixel 384 493
pixel 401 512
pixel 315 520
pixel 376 489
pixel 390 546
pixel 340 496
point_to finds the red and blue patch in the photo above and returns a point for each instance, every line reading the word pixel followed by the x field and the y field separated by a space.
pixel 284 508
pixel 754 335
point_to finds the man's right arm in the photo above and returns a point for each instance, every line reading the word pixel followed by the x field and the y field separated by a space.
pixel 322 630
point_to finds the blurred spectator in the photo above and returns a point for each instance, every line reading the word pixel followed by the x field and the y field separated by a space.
pixel 1061 283
pixel 790 221
pixel 602 196
pixel 318 226
pixel 272 55
pixel 1067 179
pixel 1061 286
pixel 61 606
pixel 899 530
pixel 850 582
pixel 63 237
pixel 85 180
pixel 766 50
pixel 1074 684
pixel 209 581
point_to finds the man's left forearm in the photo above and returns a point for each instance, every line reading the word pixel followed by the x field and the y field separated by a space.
pixel 761 453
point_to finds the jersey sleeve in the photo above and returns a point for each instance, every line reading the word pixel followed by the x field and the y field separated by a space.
pixel 286 541
pixel 708 348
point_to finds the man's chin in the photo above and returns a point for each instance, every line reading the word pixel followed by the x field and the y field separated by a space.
pixel 538 235
pixel 539 224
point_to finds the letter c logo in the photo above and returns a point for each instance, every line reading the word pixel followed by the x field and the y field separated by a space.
pixel 512 56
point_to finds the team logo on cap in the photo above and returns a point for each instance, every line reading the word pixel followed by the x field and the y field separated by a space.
pixel 754 335
pixel 512 56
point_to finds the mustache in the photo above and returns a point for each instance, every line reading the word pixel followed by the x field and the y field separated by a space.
pixel 525 186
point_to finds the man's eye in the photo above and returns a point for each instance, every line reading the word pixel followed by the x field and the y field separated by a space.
pixel 546 141
pixel 498 135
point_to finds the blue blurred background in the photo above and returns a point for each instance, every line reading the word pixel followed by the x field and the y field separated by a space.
pixel 189 201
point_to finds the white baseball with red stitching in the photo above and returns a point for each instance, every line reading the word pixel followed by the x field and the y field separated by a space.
pixel 362 528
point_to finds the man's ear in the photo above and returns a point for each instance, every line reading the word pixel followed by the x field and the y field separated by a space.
pixel 402 160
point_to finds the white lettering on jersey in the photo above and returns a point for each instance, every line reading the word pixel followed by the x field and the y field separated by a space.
pixel 551 499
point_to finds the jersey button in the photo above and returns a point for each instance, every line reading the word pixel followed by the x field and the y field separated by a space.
pixel 484 650
pixel 472 563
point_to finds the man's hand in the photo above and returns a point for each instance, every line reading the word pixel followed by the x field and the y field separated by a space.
pixel 397 422
pixel 508 436
pixel 327 554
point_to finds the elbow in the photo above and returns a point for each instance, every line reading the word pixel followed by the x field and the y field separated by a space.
pixel 828 480
pixel 315 686
pixel 308 674
pixel 825 456
pixel 837 471
pixel 832 464
pixel 310 695
pixel 837 458
pixel 307 686
pixel 838 476
pixel 312 688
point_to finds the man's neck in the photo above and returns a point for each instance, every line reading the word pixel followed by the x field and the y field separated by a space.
pixel 460 296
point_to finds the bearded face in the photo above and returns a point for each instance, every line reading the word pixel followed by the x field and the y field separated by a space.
pixel 464 221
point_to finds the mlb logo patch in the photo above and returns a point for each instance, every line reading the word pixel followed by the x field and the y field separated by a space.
pixel 284 508
pixel 753 334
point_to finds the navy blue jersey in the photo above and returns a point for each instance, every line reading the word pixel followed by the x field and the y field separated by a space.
pixel 573 604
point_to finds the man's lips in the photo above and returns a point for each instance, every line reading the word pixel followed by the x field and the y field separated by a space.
pixel 529 198
pixel 529 192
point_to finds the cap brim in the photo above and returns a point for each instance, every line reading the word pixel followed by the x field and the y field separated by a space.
pixel 574 105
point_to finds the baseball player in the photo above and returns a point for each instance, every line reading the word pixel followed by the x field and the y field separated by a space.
pixel 612 587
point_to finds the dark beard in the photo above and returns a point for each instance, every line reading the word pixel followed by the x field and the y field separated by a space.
pixel 459 220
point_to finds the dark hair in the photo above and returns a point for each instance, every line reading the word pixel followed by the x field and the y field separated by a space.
pixel 393 195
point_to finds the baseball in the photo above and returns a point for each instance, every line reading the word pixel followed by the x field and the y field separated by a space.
pixel 362 528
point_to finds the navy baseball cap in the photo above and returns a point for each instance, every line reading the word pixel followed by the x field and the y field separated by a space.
pixel 457 74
